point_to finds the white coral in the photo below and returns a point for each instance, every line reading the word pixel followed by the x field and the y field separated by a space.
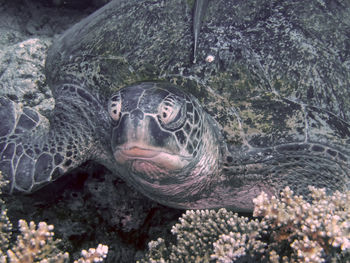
pixel 310 228
pixel 93 255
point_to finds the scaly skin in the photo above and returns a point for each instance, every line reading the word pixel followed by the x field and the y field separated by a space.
pixel 33 153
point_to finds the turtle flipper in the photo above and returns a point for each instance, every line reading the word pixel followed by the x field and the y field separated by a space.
pixel 32 154
pixel 22 162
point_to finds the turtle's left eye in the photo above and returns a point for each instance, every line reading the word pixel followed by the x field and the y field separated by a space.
pixel 115 106
pixel 171 113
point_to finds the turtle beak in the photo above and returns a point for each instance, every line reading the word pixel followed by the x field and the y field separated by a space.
pixel 138 137
pixel 133 128
pixel 137 152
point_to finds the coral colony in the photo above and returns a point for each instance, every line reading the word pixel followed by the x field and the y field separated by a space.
pixel 287 229
pixel 35 243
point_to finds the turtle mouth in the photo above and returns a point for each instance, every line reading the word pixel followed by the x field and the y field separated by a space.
pixel 137 152
pixel 162 159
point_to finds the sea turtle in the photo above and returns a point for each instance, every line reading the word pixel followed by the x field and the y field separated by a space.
pixel 265 104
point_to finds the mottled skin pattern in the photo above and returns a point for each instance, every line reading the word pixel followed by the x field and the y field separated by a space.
pixel 275 97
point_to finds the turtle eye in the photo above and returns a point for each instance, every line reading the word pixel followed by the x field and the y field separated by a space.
pixel 115 106
pixel 171 113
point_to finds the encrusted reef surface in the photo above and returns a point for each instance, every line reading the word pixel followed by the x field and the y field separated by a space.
pixel 85 207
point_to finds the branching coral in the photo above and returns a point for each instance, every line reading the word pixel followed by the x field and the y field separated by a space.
pixel 5 232
pixel 5 224
pixel 290 229
pixel 198 232
pixel 93 255
pixel 36 243
pixel 314 231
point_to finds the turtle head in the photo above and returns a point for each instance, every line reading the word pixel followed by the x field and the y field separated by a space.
pixel 161 138
pixel 156 129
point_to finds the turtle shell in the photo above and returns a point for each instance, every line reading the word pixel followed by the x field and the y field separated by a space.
pixel 269 72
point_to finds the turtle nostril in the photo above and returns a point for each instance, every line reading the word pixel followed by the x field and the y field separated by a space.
pixel 137 113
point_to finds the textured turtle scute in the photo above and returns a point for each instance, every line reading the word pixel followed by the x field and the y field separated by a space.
pixel 180 137
pixel 294 147
pixel 58 158
pixel 25 122
pixel 317 148
pixel 43 166
pixel 8 151
pixel 23 177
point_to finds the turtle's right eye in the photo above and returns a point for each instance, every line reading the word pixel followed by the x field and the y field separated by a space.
pixel 114 107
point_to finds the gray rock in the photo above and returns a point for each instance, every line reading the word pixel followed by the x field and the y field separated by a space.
pixel 27 29
pixel 21 73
